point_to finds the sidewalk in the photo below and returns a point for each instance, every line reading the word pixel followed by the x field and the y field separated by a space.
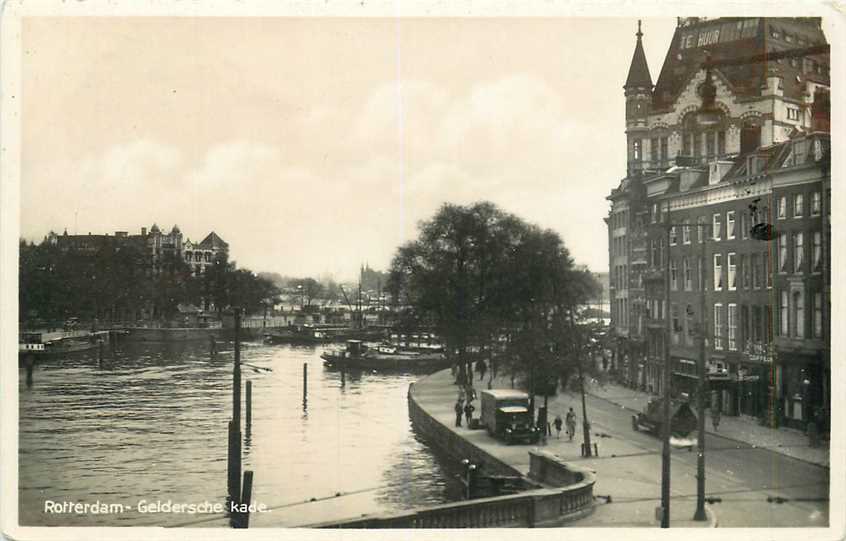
pixel 786 441
pixel 633 480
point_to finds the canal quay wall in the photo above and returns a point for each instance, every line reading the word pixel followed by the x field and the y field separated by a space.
pixel 170 334
pixel 558 492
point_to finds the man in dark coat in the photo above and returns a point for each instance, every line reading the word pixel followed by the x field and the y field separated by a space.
pixel 458 411
pixel 468 412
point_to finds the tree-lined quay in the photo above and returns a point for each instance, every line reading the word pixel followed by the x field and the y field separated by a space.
pixel 498 288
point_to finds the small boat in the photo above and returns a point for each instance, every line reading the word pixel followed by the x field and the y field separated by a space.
pixel 358 355
pixel 320 334
pixel 43 344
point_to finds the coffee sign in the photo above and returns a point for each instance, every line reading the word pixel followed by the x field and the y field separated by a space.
pixel 760 352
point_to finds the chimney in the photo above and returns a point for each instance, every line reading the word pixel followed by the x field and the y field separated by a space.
pixel 821 111
pixel 143 231
pixel 775 85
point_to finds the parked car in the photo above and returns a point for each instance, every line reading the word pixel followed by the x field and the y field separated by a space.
pixel 682 419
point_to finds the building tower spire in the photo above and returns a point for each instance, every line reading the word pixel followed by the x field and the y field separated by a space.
pixel 638 69
pixel 638 92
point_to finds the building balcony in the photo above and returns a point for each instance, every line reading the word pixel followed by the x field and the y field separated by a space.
pixel 655 323
pixel 652 275
pixel 787 345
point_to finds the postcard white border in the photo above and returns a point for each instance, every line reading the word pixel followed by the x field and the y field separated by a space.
pixel 13 11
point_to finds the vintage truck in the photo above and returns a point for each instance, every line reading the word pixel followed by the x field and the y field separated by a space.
pixel 506 415
pixel 682 419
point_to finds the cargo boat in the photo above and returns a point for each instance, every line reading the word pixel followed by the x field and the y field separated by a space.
pixel 358 355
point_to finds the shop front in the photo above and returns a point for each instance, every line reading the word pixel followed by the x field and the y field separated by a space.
pixel 803 393
pixel 720 385
pixel 751 392
pixel 685 378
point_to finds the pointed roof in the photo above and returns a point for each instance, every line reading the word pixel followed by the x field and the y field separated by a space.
pixel 212 241
pixel 732 38
pixel 639 69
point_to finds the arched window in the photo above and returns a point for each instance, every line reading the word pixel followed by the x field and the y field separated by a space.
pixel 750 135
pixel 704 143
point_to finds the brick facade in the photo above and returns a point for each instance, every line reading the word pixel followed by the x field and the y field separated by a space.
pixel 684 215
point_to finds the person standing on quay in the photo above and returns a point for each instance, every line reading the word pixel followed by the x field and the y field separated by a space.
pixel 458 411
pixel 571 423
pixel 468 412
pixel 481 367
pixel 558 423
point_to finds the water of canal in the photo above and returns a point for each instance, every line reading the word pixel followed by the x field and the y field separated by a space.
pixel 151 425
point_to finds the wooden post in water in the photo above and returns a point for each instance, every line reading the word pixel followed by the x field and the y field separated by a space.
pixel 249 411
pixel 100 351
pixel 246 497
pixel 29 361
pixel 305 385
pixel 235 424
pixel 113 342
pixel 230 468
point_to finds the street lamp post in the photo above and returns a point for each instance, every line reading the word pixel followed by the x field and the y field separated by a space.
pixel 578 350
pixel 699 515
pixel 665 435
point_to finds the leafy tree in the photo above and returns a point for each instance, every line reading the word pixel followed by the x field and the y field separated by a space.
pixel 308 289
pixel 480 274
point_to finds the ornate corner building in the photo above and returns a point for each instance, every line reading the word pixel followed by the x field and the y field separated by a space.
pixel 695 201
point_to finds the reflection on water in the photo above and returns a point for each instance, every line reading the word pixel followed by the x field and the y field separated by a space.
pixel 150 424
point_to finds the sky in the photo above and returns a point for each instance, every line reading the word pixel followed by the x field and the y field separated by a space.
pixel 313 146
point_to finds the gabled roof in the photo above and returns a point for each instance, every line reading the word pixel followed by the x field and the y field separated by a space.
pixel 730 38
pixel 638 69
pixel 212 242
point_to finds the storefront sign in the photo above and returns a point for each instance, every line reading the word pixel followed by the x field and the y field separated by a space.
pixel 720 33
pixel 760 352
pixel 716 370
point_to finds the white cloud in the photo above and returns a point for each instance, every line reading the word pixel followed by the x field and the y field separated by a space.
pixel 98 193
pixel 232 164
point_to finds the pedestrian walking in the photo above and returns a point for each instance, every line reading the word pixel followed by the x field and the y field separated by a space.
pixel 458 411
pixel 471 393
pixel 461 394
pixel 558 423
pixel 715 418
pixel 571 423
pixel 481 367
pixel 469 408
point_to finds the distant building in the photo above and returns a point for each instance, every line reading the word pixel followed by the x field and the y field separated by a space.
pixel 201 255
pixel 157 246
pixel 765 160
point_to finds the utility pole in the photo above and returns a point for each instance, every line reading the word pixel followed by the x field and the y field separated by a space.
pixel 665 449
pixel 577 349
pixel 701 388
